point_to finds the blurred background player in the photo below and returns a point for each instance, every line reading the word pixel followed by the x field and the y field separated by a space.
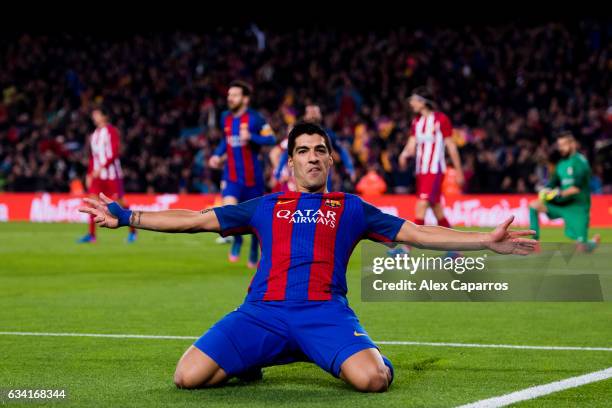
pixel 244 132
pixel 430 135
pixel 282 178
pixel 104 169
pixel 312 114
pixel 567 195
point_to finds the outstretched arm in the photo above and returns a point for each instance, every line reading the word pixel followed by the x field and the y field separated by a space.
pixel 109 214
pixel 500 240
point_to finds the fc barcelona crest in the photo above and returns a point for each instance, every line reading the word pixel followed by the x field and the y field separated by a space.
pixel 333 203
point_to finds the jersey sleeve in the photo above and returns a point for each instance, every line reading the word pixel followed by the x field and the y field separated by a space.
pixel 345 156
pixel 262 133
pixel 413 127
pixel 284 158
pixel 582 173
pixel 237 219
pixel 445 125
pixel 221 148
pixel 379 226
pixel 553 181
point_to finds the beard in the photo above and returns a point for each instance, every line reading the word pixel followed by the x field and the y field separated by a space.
pixel 235 108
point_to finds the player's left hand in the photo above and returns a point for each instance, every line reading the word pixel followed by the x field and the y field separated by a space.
pixel 504 241
pixel 547 194
pixel 99 209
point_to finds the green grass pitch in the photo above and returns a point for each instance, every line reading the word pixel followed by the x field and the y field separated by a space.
pixel 181 284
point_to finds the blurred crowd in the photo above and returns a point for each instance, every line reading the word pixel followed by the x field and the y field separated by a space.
pixel 508 90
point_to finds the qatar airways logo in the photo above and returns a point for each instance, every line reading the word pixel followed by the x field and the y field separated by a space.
pixel 309 217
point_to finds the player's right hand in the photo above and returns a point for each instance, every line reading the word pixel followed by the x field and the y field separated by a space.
pixel 214 162
pixel 99 210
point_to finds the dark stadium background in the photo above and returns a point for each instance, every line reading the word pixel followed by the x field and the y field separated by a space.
pixel 508 88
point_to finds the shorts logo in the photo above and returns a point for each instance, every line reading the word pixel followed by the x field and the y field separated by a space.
pixel 333 203
pixel 423 196
pixel 358 334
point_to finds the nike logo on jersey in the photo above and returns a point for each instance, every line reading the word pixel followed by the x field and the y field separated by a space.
pixel 358 334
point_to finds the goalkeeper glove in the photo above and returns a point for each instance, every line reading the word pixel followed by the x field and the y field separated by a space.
pixel 548 194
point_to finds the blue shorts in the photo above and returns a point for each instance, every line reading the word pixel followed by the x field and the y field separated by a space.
pixel 260 334
pixel 240 191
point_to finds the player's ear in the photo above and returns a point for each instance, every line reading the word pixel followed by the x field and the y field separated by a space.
pixel 290 162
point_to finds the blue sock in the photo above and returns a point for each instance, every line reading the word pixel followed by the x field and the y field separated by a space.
pixel 236 245
pixel 253 254
pixel 388 364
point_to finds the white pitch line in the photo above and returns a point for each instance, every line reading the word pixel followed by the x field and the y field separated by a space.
pixel 390 343
pixel 112 336
pixel 501 346
pixel 541 390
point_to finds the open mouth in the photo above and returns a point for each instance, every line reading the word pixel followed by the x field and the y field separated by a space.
pixel 314 170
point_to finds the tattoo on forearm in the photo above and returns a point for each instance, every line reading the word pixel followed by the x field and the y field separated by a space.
pixel 135 218
pixel 206 211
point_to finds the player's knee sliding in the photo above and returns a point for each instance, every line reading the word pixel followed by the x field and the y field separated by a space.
pixel 185 380
pixel 372 380
pixel 376 382
pixel 182 381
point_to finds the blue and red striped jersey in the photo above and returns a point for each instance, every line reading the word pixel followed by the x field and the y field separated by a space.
pixel 306 240
pixel 243 165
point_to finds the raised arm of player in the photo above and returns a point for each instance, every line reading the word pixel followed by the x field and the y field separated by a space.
pixel 500 240
pixel 109 214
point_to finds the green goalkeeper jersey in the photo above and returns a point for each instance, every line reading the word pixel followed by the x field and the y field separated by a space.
pixel 573 171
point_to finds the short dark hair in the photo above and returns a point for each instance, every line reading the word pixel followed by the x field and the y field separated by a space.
pixel 103 109
pixel 425 93
pixel 247 90
pixel 565 133
pixel 307 128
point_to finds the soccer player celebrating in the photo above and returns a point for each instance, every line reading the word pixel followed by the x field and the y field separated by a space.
pixel 244 132
pixel 296 307
pixel 430 135
pixel 567 195
pixel 104 170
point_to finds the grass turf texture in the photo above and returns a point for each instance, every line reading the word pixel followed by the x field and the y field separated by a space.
pixel 181 284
